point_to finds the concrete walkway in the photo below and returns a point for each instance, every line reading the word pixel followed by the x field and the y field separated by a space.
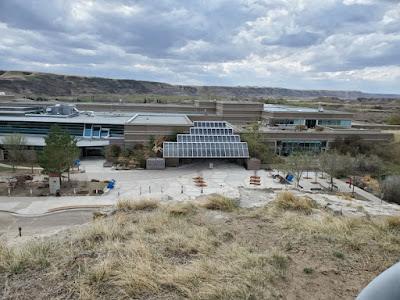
pixel 178 184
pixel 20 167
pixel 344 187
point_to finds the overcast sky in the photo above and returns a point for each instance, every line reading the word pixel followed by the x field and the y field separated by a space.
pixel 306 44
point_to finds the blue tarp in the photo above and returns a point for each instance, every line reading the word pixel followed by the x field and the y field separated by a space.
pixel 111 184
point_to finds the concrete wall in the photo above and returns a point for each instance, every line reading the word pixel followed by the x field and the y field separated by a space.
pixel 140 134
pixel 240 112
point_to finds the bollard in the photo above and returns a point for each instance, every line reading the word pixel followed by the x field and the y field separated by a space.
pixel 31 192
pixel 9 191
pixel 202 190
pixel 161 189
pixel 20 231
pixel 181 189
pixel 74 191
pixel 140 190
pixel 149 189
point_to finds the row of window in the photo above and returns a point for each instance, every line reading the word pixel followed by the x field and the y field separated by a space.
pixel 331 122
pixel 344 123
pixel 95 131
pixel 75 129
pixel 285 148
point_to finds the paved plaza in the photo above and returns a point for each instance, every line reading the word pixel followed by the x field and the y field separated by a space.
pixel 40 216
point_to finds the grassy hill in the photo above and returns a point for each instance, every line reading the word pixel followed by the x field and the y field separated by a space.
pixel 46 84
pixel 212 250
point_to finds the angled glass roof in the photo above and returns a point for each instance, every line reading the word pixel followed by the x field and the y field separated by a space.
pixel 207 139
pixel 211 124
pixel 205 150
pixel 211 131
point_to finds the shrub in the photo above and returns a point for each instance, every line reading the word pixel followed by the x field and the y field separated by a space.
pixel 133 205
pixel 219 202
pixel 288 201
pixel 308 270
pixel 394 119
pixel 280 263
pixel 338 254
pixel 391 189
pixel 112 152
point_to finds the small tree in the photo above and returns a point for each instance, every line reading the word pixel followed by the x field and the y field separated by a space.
pixel 112 152
pixel 297 164
pixel 31 158
pixel 257 148
pixel 334 164
pixel 368 164
pixel 60 152
pixel 15 145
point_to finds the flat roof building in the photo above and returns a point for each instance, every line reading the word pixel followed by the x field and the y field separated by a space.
pixel 285 128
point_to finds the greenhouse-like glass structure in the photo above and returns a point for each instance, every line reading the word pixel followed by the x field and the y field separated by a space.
pixel 207 139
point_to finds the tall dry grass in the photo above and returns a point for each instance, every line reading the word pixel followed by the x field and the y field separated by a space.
pixel 288 201
pixel 137 204
pixel 219 202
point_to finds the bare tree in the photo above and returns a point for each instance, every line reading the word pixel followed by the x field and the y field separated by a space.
pixel 15 145
pixel 30 157
pixel 297 164
pixel 334 164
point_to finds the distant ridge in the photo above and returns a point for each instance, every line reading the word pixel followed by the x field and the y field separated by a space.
pixel 47 84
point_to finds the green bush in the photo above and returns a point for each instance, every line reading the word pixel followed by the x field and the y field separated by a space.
pixel 393 119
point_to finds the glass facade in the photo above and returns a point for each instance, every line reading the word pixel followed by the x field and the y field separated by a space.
pixel 341 123
pixel 288 122
pixel 75 129
pixel 288 147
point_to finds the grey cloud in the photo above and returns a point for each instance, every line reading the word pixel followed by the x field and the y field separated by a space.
pixel 212 42
pixel 301 39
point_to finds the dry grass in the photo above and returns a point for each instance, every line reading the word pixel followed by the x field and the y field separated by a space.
pixel 182 209
pixel 345 196
pixel 137 204
pixel 288 201
pixel 393 222
pixel 352 233
pixel 179 251
pixel 219 202
pixel 34 254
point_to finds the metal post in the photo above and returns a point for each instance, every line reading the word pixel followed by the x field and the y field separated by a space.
pixel 181 189
pixel 20 231
pixel 149 189
pixel 140 190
